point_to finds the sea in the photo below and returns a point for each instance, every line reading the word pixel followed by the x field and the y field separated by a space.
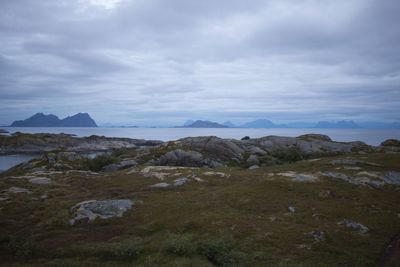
pixel 370 136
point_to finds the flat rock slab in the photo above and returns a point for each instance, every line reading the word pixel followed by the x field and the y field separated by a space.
pixel 103 209
pixel 355 226
pixel 220 174
pixel 354 180
pixel 392 178
pixel 180 181
pixel 40 180
pixel 160 185
pixel 18 190
pixel 299 177
pixel 350 161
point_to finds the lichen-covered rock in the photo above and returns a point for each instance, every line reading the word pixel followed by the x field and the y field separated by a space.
pixel 103 209
pixel 355 226
pixel 254 167
pixel 222 150
pixel 354 180
pixel 17 190
pixel 392 178
pixel 179 157
pixel 318 236
pixel 299 177
pixel 180 181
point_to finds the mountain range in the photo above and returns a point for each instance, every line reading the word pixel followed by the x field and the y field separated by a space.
pixel 264 123
pixel 50 120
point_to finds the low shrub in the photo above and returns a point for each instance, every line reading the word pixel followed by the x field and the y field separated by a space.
pixel 131 249
pixel 220 252
pixel 97 163
pixel 180 244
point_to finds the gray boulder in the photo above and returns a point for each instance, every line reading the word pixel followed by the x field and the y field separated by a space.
pixel 254 167
pixel 355 226
pixel 103 209
pixel 180 181
pixel 120 166
pixel 223 150
pixel 392 178
pixel 252 160
pixel 183 158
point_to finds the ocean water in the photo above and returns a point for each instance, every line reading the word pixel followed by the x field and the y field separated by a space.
pixel 369 136
pixel 9 161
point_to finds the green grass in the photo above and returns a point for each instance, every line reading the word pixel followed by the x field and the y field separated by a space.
pixel 237 221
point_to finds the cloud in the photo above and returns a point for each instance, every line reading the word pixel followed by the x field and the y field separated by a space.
pixel 160 62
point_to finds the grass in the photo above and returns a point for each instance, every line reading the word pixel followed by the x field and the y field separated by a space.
pixel 237 221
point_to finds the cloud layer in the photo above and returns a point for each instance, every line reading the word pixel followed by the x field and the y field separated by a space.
pixel 157 62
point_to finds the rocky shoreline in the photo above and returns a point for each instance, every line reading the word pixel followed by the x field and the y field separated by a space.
pixel 309 193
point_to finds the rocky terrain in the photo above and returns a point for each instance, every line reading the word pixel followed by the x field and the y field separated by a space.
pixel 200 201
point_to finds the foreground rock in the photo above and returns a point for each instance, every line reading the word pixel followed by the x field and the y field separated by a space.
pixel 299 177
pixel 103 209
pixel 355 226
pixel 370 181
pixel 392 178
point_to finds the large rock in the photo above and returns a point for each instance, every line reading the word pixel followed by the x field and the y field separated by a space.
pixel 120 166
pixel 391 142
pixel 307 145
pixel 392 178
pixel 222 150
pixel 179 157
pixel 103 209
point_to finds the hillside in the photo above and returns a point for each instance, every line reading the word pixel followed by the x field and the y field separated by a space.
pixel 201 201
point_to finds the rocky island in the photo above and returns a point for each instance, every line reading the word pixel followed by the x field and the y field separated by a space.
pixel 42 120
pixel 200 201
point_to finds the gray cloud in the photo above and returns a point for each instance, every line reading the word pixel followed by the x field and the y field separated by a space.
pixel 160 62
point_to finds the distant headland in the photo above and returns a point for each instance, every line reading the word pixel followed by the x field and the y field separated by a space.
pixel 42 120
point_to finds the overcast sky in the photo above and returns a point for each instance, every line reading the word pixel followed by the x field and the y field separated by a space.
pixel 161 62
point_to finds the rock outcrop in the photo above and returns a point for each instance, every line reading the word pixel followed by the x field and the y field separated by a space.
pixel 103 209
pixel 40 143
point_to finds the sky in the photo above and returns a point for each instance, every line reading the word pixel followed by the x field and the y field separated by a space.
pixel 161 62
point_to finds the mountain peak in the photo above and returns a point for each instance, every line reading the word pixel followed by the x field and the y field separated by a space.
pixel 42 120
pixel 205 124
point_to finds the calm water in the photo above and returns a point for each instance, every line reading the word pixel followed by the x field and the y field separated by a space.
pixel 372 137
pixel 9 161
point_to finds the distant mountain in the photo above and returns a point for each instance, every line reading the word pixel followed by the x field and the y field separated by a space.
pixel 204 124
pixel 78 120
pixel 229 124
pixel 42 120
pixel 337 125
pixel 262 123
pixel 379 125
pixel 188 122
